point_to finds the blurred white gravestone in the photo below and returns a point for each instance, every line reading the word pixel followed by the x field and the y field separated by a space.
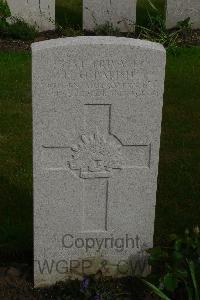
pixel 179 10
pixel 97 109
pixel 38 13
pixel 121 14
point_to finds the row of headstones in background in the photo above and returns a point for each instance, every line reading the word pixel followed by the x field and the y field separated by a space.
pixel 179 10
pixel 121 14
pixel 97 109
pixel 38 13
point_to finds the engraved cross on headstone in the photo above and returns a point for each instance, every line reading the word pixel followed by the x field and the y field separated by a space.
pixel 95 158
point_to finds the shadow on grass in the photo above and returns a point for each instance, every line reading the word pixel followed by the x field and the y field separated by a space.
pixel 143 8
pixel 178 182
pixel 69 13
pixel 15 157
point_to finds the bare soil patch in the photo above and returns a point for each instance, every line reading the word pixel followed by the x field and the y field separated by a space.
pixel 6 44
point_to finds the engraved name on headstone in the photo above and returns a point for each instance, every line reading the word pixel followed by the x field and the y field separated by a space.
pixel 97 108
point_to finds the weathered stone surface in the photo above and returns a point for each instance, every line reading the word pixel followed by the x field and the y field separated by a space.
pixel 39 13
pixel 97 106
pixel 121 14
pixel 179 10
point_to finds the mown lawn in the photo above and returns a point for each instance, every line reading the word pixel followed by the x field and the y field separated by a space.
pixel 178 189
pixel 178 197
pixel 15 155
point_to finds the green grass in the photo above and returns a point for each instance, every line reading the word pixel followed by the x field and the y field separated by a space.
pixel 178 190
pixel 143 8
pixel 4 9
pixel 15 154
pixel 178 185
pixel 69 13
pixel 18 30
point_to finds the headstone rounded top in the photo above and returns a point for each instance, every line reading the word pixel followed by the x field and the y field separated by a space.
pixel 97 110
pixel 96 40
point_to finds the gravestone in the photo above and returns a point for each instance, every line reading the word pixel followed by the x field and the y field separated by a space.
pixel 97 107
pixel 180 10
pixel 121 14
pixel 38 13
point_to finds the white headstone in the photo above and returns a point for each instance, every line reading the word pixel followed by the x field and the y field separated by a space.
pixel 38 13
pixel 121 14
pixel 179 10
pixel 97 108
